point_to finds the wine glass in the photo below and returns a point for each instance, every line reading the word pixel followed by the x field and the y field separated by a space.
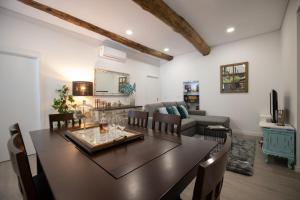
pixel 122 124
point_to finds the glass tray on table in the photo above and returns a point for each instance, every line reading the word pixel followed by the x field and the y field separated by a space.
pixel 92 140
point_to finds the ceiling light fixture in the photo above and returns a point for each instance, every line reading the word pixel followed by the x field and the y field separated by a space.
pixel 129 32
pixel 230 29
pixel 166 49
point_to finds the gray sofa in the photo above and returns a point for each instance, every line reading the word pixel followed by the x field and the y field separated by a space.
pixel 196 121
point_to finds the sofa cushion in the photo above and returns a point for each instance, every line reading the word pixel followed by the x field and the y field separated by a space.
pixel 168 104
pixel 176 110
pixel 181 112
pixel 170 110
pixel 152 108
pixel 163 110
pixel 187 123
pixel 211 120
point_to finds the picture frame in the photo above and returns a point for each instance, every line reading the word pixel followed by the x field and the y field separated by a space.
pixel 234 78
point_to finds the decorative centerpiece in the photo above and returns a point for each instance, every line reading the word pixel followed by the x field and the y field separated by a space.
pixel 128 89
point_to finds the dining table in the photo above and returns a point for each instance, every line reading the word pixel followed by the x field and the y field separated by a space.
pixel 158 166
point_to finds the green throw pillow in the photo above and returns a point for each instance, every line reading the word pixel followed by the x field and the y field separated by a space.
pixel 170 110
pixel 181 112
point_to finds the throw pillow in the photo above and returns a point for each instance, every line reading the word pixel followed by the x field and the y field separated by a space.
pixel 175 110
pixel 185 111
pixel 163 110
pixel 170 110
pixel 181 112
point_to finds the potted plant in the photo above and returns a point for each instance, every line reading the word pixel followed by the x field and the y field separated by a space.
pixel 129 90
pixel 65 102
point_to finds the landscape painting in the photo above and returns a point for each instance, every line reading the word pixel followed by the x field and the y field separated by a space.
pixel 234 78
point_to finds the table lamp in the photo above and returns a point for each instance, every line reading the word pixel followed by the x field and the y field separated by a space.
pixel 82 88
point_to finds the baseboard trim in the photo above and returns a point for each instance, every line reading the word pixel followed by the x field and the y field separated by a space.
pixel 248 133
pixel 297 169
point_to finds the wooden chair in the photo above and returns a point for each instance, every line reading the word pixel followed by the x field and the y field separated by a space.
pixel 210 175
pixel 32 188
pixel 138 118
pixel 66 117
pixel 14 129
pixel 166 123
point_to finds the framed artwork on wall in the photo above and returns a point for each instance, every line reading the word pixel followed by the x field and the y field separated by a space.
pixel 234 78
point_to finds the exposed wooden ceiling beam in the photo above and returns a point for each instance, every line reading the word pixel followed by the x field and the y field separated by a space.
pixel 162 11
pixel 96 29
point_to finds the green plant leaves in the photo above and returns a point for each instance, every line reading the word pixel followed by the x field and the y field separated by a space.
pixel 65 102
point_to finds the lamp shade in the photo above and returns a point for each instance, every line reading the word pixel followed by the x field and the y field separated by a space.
pixel 82 88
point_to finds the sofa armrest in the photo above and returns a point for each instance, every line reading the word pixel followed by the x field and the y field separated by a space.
pixel 197 112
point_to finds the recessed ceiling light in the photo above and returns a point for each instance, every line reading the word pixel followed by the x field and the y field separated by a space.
pixel 166 49
pixel 129 32
pixel 230 29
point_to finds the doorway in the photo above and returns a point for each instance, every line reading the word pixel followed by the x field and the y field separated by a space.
pixel 20 98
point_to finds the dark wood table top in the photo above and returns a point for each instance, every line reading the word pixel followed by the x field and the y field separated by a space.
pixel 158 167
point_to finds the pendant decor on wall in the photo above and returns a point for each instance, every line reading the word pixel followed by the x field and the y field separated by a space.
pixel 234 78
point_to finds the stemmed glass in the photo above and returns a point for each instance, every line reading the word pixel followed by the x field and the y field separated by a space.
pixel 122 124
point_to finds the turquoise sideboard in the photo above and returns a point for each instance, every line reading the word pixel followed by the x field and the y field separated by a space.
pixel 279 141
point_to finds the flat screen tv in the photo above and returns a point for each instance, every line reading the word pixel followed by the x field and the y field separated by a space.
pixel 274 105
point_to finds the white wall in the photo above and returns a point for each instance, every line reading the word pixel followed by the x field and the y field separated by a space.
pixel 262 53
pixel 290 88
pixel 64 57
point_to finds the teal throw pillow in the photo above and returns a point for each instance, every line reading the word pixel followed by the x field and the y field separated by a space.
pixel 163 110
pixel 170 110
pixel 185 111
pixel 175 110
pixel 181 112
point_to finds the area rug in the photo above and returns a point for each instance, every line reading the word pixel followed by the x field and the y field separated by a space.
pixel 242 154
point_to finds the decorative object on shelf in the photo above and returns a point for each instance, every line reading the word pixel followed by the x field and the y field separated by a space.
pixel 234 78
pixel 281 117
pixel 191 94
pixel 129 90
pixel 65 102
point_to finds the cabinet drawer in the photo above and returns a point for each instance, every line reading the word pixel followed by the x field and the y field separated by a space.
pixel 279 141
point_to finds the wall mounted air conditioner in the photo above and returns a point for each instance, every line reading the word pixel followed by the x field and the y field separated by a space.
pixel 112 54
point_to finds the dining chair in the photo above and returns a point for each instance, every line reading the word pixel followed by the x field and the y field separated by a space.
pixel 166 123
pixel 14 129
pixel 210 175
pixel 58 118
pixel 32 188
pixel 138 118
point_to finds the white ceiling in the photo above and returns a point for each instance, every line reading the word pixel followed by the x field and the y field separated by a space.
pixel 210 18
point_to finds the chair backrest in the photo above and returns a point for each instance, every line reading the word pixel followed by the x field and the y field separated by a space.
pixel 66 117
pixel 138 118
pixel 21 166
pixel 14 129
pixel 166 123
pixel 210 175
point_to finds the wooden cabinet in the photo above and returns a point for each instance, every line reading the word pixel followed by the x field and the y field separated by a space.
pixel 279 141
